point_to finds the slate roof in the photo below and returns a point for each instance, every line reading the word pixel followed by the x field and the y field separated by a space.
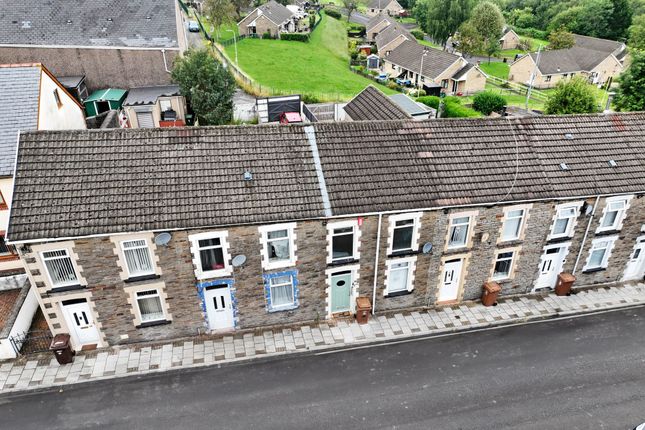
pixel 461 73
pixel 77 183
pixel 141 23
pixel 574 59
pixel 149 95
pixel 372 104
pixel 603 45
pixel 390 33
pixel 378 4
pixel 408 55
pixel 373 21
pixel 275 12
pixel 19 91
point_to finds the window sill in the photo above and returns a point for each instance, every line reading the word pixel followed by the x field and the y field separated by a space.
pixel 559 239
pixel 279 265
pixel 343 262
pixel 153 323
pixel 67 288
pixel 510 242
pixel 282 309
pixel 403 253
pixel 399 293
pixel 141 278
pixel 10 257
pixel 607 232
pixel 219 273
pixel 597 269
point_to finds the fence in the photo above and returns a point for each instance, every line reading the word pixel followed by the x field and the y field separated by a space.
pixel 518 88
pixel 31 342
pixel 308 114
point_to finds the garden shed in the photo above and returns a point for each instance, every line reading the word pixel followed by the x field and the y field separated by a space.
pixel 101 101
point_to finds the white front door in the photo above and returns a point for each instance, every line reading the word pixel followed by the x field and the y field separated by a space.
pixel 636 265
pixel 551 265
pixel 449 288
pixel 219 308
pixel 80 322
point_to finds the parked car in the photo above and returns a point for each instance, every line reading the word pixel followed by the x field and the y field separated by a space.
pixel 193 27
pixel 403 82
pixel 382 77
pixel 640 427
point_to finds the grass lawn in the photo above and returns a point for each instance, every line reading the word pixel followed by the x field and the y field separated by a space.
pixel 497 69
pixel 430 44
pixel 319 68
pixel 512 99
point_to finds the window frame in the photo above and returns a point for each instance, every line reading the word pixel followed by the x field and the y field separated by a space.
pixel 3 202
pixel 152 270
pixel 610 243
pixel 197 259
pixel 470 226
pixel 520 228
pixel 12 253
pixel 511 267
pixel 268 286
pixel 264 243
pixel 161 304
pixel 356 232
pixel 416 226
pixel 411 261
pixel 49 277
pixel 571 225
pixel 57 98
pixel 162 100
pixel 617 225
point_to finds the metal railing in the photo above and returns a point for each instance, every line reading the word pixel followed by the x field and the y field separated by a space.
pixel 31 342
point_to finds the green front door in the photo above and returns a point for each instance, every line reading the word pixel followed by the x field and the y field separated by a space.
pixel 341 290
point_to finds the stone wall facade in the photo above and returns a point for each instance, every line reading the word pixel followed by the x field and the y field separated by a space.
pixel 100 270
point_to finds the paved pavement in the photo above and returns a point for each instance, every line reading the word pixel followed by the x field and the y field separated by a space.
pixel 577 373
pixel 43 371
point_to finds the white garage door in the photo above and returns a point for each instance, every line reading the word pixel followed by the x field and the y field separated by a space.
pixel 145 120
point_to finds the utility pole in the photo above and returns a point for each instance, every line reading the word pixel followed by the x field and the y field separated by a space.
pixel 533 74
pixel 425 52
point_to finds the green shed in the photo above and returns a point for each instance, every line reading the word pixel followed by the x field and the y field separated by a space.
pixel 104 100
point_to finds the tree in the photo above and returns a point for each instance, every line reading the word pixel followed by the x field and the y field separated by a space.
pixel 637 33
pixel 443 17
pixel 351 6
pixel 481 33
pixel 629 96
pixel 561 39
pixel 522 18
pixel 207 85
pixel 571 96
pixel 488 102
pixel 220 12
pixel 620 19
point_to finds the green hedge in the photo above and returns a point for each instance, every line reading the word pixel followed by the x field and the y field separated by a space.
pixel 488 102
pixel 299 37
pixel 417 34
pixel 452 108
pixel 532 32
pixel 333 13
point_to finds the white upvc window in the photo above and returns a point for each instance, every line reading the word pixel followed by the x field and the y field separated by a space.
pixel 282 292
pixel 399 276
pixel 60 268
pixel 150 306
pixel 404 232
pixel 137 257
pixel 614 213
pixel 565 220
pixel 458 234
pixel 278 246
pixel 513 223
pixel 503 265
pixel 599 253
pixel 210 254
pixel 343 241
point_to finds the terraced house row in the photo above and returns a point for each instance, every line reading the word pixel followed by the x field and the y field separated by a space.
pixel 137 235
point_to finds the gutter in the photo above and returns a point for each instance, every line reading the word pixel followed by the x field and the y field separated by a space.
pixel 378 246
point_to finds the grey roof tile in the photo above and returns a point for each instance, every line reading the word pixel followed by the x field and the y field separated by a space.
pixel 409 53
pixel 372 104
pixel 276 12
pixel 569 60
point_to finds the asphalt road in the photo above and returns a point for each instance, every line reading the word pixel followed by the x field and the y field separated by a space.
pixel 583 373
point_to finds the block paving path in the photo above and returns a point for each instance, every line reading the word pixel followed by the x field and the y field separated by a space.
pixel 42 371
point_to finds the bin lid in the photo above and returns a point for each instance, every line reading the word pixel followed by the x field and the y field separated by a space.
pixel 492 287
pixel 567 277
pixel 363 302
pixel 60 341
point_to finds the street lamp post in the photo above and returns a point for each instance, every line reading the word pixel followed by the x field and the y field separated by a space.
pixel 234 43
pixel 425 52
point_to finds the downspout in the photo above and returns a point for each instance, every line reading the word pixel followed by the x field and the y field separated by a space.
pixel 584 238
pixel 165 63
pixel 378 245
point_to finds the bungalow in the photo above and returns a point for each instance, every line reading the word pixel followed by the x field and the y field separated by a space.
pixel 617 49
pixel 123 44
pixel 510 39
pixel 165 233
pixel 375 25
pixel 559 64
pixel 433 69
pixel 390 37
pixel 161 106
pixel 386 7
pixel 31 98
pixel 271 18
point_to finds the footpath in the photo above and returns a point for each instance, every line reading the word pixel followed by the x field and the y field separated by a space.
pixel 43 371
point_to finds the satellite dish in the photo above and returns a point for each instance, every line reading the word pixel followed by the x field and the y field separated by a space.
pixel 238 260
pixel 427 248
pixel 162 239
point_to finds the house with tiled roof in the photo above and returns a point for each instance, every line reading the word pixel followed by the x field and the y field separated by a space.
pixel 160 233
pixel 390 37
pixel 510 39
pixel 385 7
pixel 433 70
pixel 372 104
pixel 376 24
pixel 30 99
pixel 271 19
pixel 113 43
pixel 549 67
pixel 616 48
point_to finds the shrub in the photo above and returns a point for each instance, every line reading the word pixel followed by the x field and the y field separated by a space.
pixel 432 101
pixel 298 37
pixel 266 35
pixel 353 55
pixel 393 86
pixel 415 92
pixel 333 13
pixel 374 72
pixel 532 32
pixel 488 102
pixel 452 107
pixel 417 34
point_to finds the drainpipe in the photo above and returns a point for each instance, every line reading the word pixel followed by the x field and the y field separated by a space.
pixel 584 238
pixel 378 245
pixel 165 63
